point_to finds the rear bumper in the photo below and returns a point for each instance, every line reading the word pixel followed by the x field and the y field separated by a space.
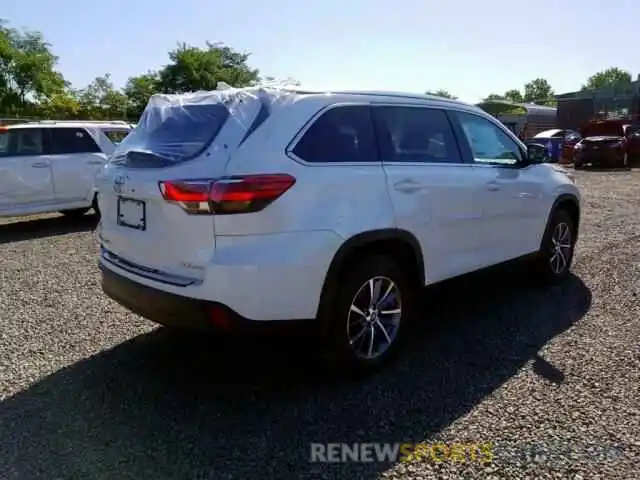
pixel 268 277
pixel 177 311
pixel 155 305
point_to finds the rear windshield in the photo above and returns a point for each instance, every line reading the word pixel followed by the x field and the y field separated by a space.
pixel 175 133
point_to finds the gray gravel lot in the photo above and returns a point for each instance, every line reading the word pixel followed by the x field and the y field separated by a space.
pixel 549 376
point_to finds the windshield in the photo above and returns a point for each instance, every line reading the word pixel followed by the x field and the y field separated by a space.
pixel 175 132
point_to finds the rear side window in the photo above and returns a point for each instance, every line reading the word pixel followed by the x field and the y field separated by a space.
pixel 416 134
pixel 22 142
pixel 116 136
pixel 340 135
pixel 72 140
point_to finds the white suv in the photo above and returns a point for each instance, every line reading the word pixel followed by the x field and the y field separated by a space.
pixel 50 166
pixel 254 205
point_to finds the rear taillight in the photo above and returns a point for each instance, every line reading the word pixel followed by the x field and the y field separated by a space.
pixel 238 194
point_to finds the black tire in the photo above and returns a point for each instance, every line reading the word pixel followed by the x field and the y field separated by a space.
pixel 338 321
pixel 94 205
pixel 76 213
pixel 550 257
pixel 578 166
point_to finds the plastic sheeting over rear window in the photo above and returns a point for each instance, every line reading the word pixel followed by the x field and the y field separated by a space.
pixel 177 128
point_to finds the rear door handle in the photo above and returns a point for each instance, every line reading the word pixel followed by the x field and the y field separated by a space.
pixel 40 165
pixel 407 186
pixel 493 186
pixel 95 162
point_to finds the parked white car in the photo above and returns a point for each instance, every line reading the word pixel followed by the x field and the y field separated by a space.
pixel 257 205
pixel 50 166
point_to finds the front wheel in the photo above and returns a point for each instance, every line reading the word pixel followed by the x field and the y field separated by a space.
pixel 555 257
pixel 366 320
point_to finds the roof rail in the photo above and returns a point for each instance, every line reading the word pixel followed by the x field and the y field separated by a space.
pixel 114 122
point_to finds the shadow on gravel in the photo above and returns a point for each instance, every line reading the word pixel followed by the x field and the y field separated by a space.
pixel 45 227
pixel 168 406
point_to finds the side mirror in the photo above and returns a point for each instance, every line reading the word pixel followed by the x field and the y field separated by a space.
pixel 537 153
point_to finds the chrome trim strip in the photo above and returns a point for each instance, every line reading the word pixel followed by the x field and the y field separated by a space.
pixel 146 272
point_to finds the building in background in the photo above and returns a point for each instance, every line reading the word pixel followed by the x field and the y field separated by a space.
pixel 576 109
pixel 523 119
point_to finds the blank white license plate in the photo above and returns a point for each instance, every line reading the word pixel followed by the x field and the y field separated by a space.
pixel 132 213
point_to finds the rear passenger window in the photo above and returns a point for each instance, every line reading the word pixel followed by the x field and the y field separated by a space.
pixel 342 134
pixel 23 141
pixel 72 140
pixel 416 134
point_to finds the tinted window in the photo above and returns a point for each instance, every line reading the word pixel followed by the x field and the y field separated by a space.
pixel 342 134
pixel 21 141
pixel 116 136
pixel 415 134
pixel 72 140
pixel 4 141
pixel 489 144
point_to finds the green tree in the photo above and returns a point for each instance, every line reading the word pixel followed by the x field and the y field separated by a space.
pixel 138 90
pixel 610 77
pixel 192 68
pixel 60 106
pixel 442 93
pixel 539 91
pixel 493 97
pixel 100 100
pixel 514 96
pixel 27 70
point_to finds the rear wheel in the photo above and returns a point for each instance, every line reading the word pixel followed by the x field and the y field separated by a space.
pixel 555 257
pixel 76 213
pixel 366 319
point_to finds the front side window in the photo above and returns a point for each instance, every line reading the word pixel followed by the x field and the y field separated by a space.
pixel 489 144
pixel 340 135
pixel 72 140
pixel 416 134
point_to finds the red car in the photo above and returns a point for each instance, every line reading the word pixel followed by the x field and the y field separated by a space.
pixel 608 143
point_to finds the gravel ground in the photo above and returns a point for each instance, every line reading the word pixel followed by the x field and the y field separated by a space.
pixel 549 377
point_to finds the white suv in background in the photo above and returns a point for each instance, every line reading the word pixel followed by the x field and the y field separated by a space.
pixel 254 205
pixel 50 166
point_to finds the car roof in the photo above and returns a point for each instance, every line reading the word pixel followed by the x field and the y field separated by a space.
pixel 66 124
pixel 375 94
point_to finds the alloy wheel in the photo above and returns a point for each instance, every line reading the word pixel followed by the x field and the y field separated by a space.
pixel 374 317
pixel 560 248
